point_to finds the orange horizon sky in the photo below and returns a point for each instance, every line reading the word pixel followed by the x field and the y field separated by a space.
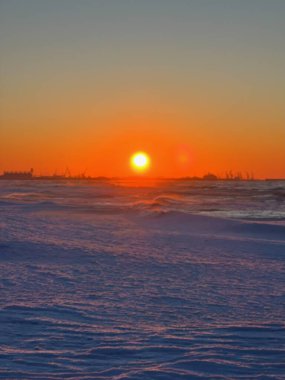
pixel 199 86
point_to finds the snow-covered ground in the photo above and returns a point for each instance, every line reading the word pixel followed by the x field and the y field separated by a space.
pixel 156 280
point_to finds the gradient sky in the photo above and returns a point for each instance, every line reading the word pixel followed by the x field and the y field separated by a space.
pixel 198 84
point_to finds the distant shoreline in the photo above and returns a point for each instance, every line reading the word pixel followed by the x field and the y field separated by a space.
pixel 228 176
pixel 100 178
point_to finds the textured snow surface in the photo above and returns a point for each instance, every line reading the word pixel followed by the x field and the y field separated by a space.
pixel 169 280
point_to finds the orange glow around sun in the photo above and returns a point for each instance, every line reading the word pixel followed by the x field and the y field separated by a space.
pixel 140 161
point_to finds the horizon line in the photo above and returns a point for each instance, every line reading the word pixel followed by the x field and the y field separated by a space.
pixel 14 175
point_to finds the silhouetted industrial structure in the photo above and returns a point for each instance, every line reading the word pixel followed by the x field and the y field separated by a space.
pixel 17 175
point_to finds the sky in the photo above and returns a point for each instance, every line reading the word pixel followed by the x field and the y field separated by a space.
pixel 197 84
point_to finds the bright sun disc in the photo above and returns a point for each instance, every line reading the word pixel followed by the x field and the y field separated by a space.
pixel 140 161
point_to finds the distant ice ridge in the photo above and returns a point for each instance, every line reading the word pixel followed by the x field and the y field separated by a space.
pixel 230 199
pixel 108 280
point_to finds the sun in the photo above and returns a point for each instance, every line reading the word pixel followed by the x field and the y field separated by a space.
pixel 140 161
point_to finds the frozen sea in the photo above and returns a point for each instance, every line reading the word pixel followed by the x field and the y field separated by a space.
pixel 160 280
